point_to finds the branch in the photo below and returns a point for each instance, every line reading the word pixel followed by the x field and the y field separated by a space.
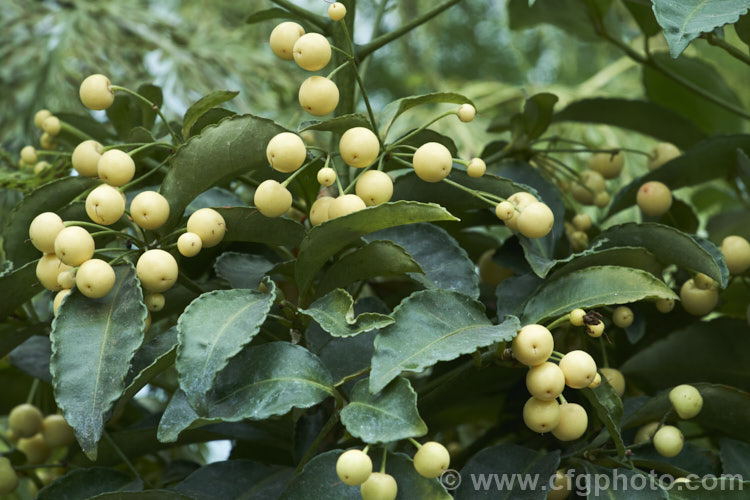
pixel 730 49
pixel 319 21
pixel 392 35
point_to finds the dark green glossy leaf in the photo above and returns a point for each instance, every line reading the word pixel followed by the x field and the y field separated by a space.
pixel 334 312
pixel 537 113
pixel 732 222
pixel 270 14
pixel 81 484
pixel 570 15
pixel 604 485
pixel 202 105
pixel 644 16
pixel 625 256
pixel 394 109
pixel 210 117
pixel 142 495
pixel 235 480
pixel 608 407
pixel 338 124
pixel 249 225
pixel 513 293
pixel 11 336
pixel 17 286
pixel 242 270
pixel 32 357
pixel 742 27
pixel 735 457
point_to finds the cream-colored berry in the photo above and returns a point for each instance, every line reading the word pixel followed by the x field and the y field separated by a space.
pixel 149 210
pixel 326 176
pixel 272 199
pixel 344 205
pixel 431 460
pixel 602 199
pixel 57 432
pixel 157 270
pixel 115 167
pixel 505 211
pixel 40 116
pixel 476 168
pixel 189 244
pixel 8 477
pixel 595 330
pixel 86 157
pixel 209 225
pixel 28 154
pixel 582 222
pixel 698 301
pixel 466 112
pixel 318 95
pixel 669 441
pixel 155 301
pixel 664 305
pixel 283 37
pixel 95 92
pixel 74 246
pixel 541 416
pixel 359 147
pixel 25 420
pixel 41 167
pixel 286 152
pixel 95 278
pixel 354 467
pixel 654 199
pixel 646 432
pixel 337 11
pixel 661 154
pixel 589 183
pixel 623 316
pixel 312 51
pixel 536 220
pixel 66 279
pixel 596 382
pixel 432 162
pixel 35 448
pixel 608 164
pixel 44 229
pixel 686 400
pixel 615 379
pixel 736 250
pixel 573 422
pixel 374 187
pixel 520 201
pixel 561 488
pixel 379 486
pixel 545 381
pixel 533 345
pixel 104 205
pixel 576 317
pixel 51 125
pixel 48 269
pixel 319 210
pixel 579 369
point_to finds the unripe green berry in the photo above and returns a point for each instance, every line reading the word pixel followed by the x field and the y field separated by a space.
pixel 8 477
pixel 25 420
pixel 272 199
pixel 432 162
pixel 623 317
pixel 155 301
pixel 646 432
pixel 95 92
pixel 664 305
pixel 189 244
pixel 35 448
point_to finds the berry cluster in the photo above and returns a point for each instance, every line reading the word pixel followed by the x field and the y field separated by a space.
pixel 668 440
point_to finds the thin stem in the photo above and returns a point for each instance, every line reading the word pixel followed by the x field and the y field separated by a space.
pixel 122 256
pixel 470 191
pixel 352 376
pixel 605 361
pixel 339 67
pixel 144 176
pixel 728 48
pixel 416 131
pixel 416 443
pixel 382 463
pixel 289 179
pixel 562 399
pixel 591 150
pixel 153 106
pixel 75 131
pixel 146 146
pixel 328 427
pixel 318 21
pixel 565 318
pixel 190 284
pixel 52 153
pixel 124 458
pixel 367 104
pixel 32 391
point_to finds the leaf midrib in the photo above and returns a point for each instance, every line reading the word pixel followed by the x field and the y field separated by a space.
pixel 325 388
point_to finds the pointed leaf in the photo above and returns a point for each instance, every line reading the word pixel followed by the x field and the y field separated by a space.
pixel 513 293
pixel 86 483
pixel 537 113
pixel 608 407
pixel 338 124
pixel 390 415
pixel 17 285
pixel 394 109
pixel 644 16
pixel 212 330
pixel 234 480
pixel 623 256
pixel 32 357
pixel 93 343
pixel 202 105
pixel 249 225
pixel 142 495
pixel 652 489
pixel 735 457
pixel 593 287
pixel 334 312
pixel 242 270
pixel 432 326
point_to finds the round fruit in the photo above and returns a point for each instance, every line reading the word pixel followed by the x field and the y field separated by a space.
pixel 576 317
pixel 46 141
pixel 66 279
pixel 96 93
pixel 149 210
pixel 541 416
pixel 336 11
pixel 47 270
pixel 59 296
pixel 35 448
pixel 318 95
pixel 104 205
pixel 431 460
pixel 283 37
pixel 116 167
pixel 326 176
pixel 95 278
pixel 157 270
pixel 286 152
pixel 344 205
pixel 272 199
pixel 533 345
pixel 432 162
pixel 573 422
pixel 687 401
pixel 545 381
pixel 354 467
pixel 86 157
pixel 359 147
pixel 654 199
pixel 646 432
pixel 536 220
pixel 8 477
pixel 209 225
pixel 703 281
pixel 520 201
pixel 57 432
pixel 155 301
pixel 589 183
pixel 595 330
pixel 466 112
pixel 374 187
pixel 74 246
pixel 189 244
pixel 491 272
pixel 505 211
pixel 40 116
pixel 615 379
pixel 319 210
pixel 25 420
pixel 664 305
pixel 28 154
pixel 698 301
pixel 44 229
pixel 582 222
pixel 579 241
pixel 661 154
pixel 579 369
pixel 623 317
pixel 560 489
pixel 668 441
pixel 379 486
pixel 602 199
pixel 476 167
pixel 596 382
pixel 312 51
pixel 608 164
pixel 736 250
pixel 41 167
pixel 51 126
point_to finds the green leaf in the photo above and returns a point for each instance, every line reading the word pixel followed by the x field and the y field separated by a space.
pixel 608 407
pixel 378 258
pixel 503 461
pixel 249 225
pixel 210 117
pixel 325 240
pixel 211 331
pixel 338 124
pixel 644 16
pixel 723 345
pixel 32 357
pixel 270 14
pixel 242 270
pixel 669 245
pixel 93 343
pixel 202 105
pixel 708 116
pixel 235 479
pixel 390 415
pixel 607 478
pixel 49 197
pixel 640 116
pixel 432 326
pixel 742 27
pixel 17 286
pixel 570 15
pixel 731 222
pixel 735 457
pixel 11 335
pixel 142 495
pixel 235 146
pixel 513 293
pixel 684 21
pixel 86 483
pixel 394 109
pixel 635 257
pixel 445 264
pixel 334 312
pixel 537 113
pixel 593 287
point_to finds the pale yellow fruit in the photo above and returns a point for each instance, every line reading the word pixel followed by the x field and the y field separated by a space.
pixel 40 116
pixel 47 142
pixel 520 201
pixel 374 187
pixel 86 157
pixel 697 301
pixel 686 400
pixel 545 381
pixel 354 467
pixel 590 182
pixel 115 167
pixel 8 477
pixel 59 296
pixel 476 167
pixel 344 205
pixel 35 448
pixel 41 167
pixel 661 154
pixel 326 176
pixel 490 272
pixel 318 95
pixel 283 37
pixel 286 152
pixel 431 459
pixel 602 199
pixel 149 210
pixel 615 379
pixel 379 486
pixel 25 420
pixel 595 330
pixel 560 490
pixel 664 305
pixel 95 278
pixel 654 199
pixel 209 225
pixel 736 250
pixel 74 246
pixel 466 112
pixel 576 317
pixel 541 416
pixel 319 210
pixel 669 441
pixel 44 229
pixel 47 270
pixel 28 154
pixel 51 125
pixel 579 241
pixel 533 345
pixel 57 432
pixel 66 279
pixel 596 382
pixel 579 369
pixel 154 301
pixel 95 92
pixel 623 317
pixel 608 164
pixel 646 432
pixel 272 199
pixel 104 205
pixel 337 11
pixel 432 162
pixel 703 281
pixel 189 244
pixel 573 422
pixel 505 211
pixel 536 220
pixel 582 222
pixel 312 51
pixel 157 270
pixel 359 147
